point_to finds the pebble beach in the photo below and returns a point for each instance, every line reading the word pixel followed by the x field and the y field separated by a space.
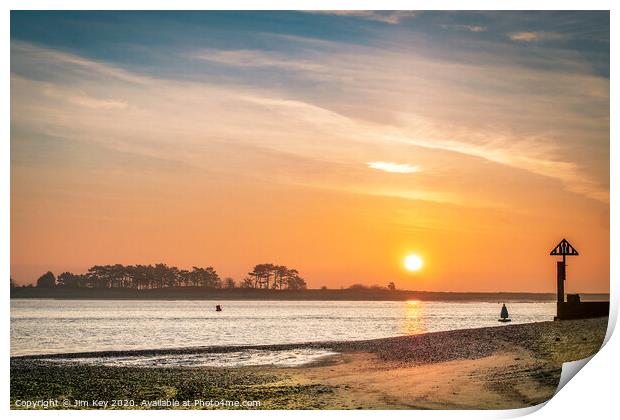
pixel 509 366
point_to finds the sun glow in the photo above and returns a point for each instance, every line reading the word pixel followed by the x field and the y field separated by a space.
pixel 413 262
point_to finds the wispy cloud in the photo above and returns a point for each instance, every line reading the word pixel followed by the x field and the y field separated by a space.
pixel 396 168
pixel 32 55
pixel 391 17
pixel 381 116
pixel 533 36
pixel 83 100
pixel 476 28
pixel 470 28
pixel 255 58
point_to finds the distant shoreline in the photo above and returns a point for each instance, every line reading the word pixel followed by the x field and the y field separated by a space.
pixel 197 293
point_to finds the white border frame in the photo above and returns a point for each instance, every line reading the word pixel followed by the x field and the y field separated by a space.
pixel 592 395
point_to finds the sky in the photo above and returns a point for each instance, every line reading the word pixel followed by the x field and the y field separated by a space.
pixel 333 142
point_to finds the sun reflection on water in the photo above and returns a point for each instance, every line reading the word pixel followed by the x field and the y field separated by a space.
pixel 413 322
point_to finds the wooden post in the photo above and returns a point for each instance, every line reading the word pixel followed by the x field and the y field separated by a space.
pixel 564 248
pixel 561 278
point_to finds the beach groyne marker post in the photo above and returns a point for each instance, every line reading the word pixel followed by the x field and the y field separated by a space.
pixel 564 248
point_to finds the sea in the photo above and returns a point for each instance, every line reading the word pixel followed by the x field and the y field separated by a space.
pixel 50 326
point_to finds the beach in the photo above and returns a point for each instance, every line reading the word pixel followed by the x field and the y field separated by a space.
pixel 508 366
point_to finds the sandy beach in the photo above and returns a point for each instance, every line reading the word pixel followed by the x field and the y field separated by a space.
pixel 509 366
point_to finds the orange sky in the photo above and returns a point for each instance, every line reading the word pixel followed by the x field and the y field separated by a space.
pixel 339 160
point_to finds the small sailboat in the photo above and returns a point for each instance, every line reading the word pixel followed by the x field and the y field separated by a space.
pixel 504 314
pixel 218 308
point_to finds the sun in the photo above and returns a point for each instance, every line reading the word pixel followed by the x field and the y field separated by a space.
pixel 413 262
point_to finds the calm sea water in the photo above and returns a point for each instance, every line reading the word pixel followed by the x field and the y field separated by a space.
pixel 64 326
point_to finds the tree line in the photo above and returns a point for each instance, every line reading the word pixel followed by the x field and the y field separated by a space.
pixel 269 276
pixel 158 276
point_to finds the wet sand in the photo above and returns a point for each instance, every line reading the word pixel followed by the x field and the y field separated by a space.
pixel 509 366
